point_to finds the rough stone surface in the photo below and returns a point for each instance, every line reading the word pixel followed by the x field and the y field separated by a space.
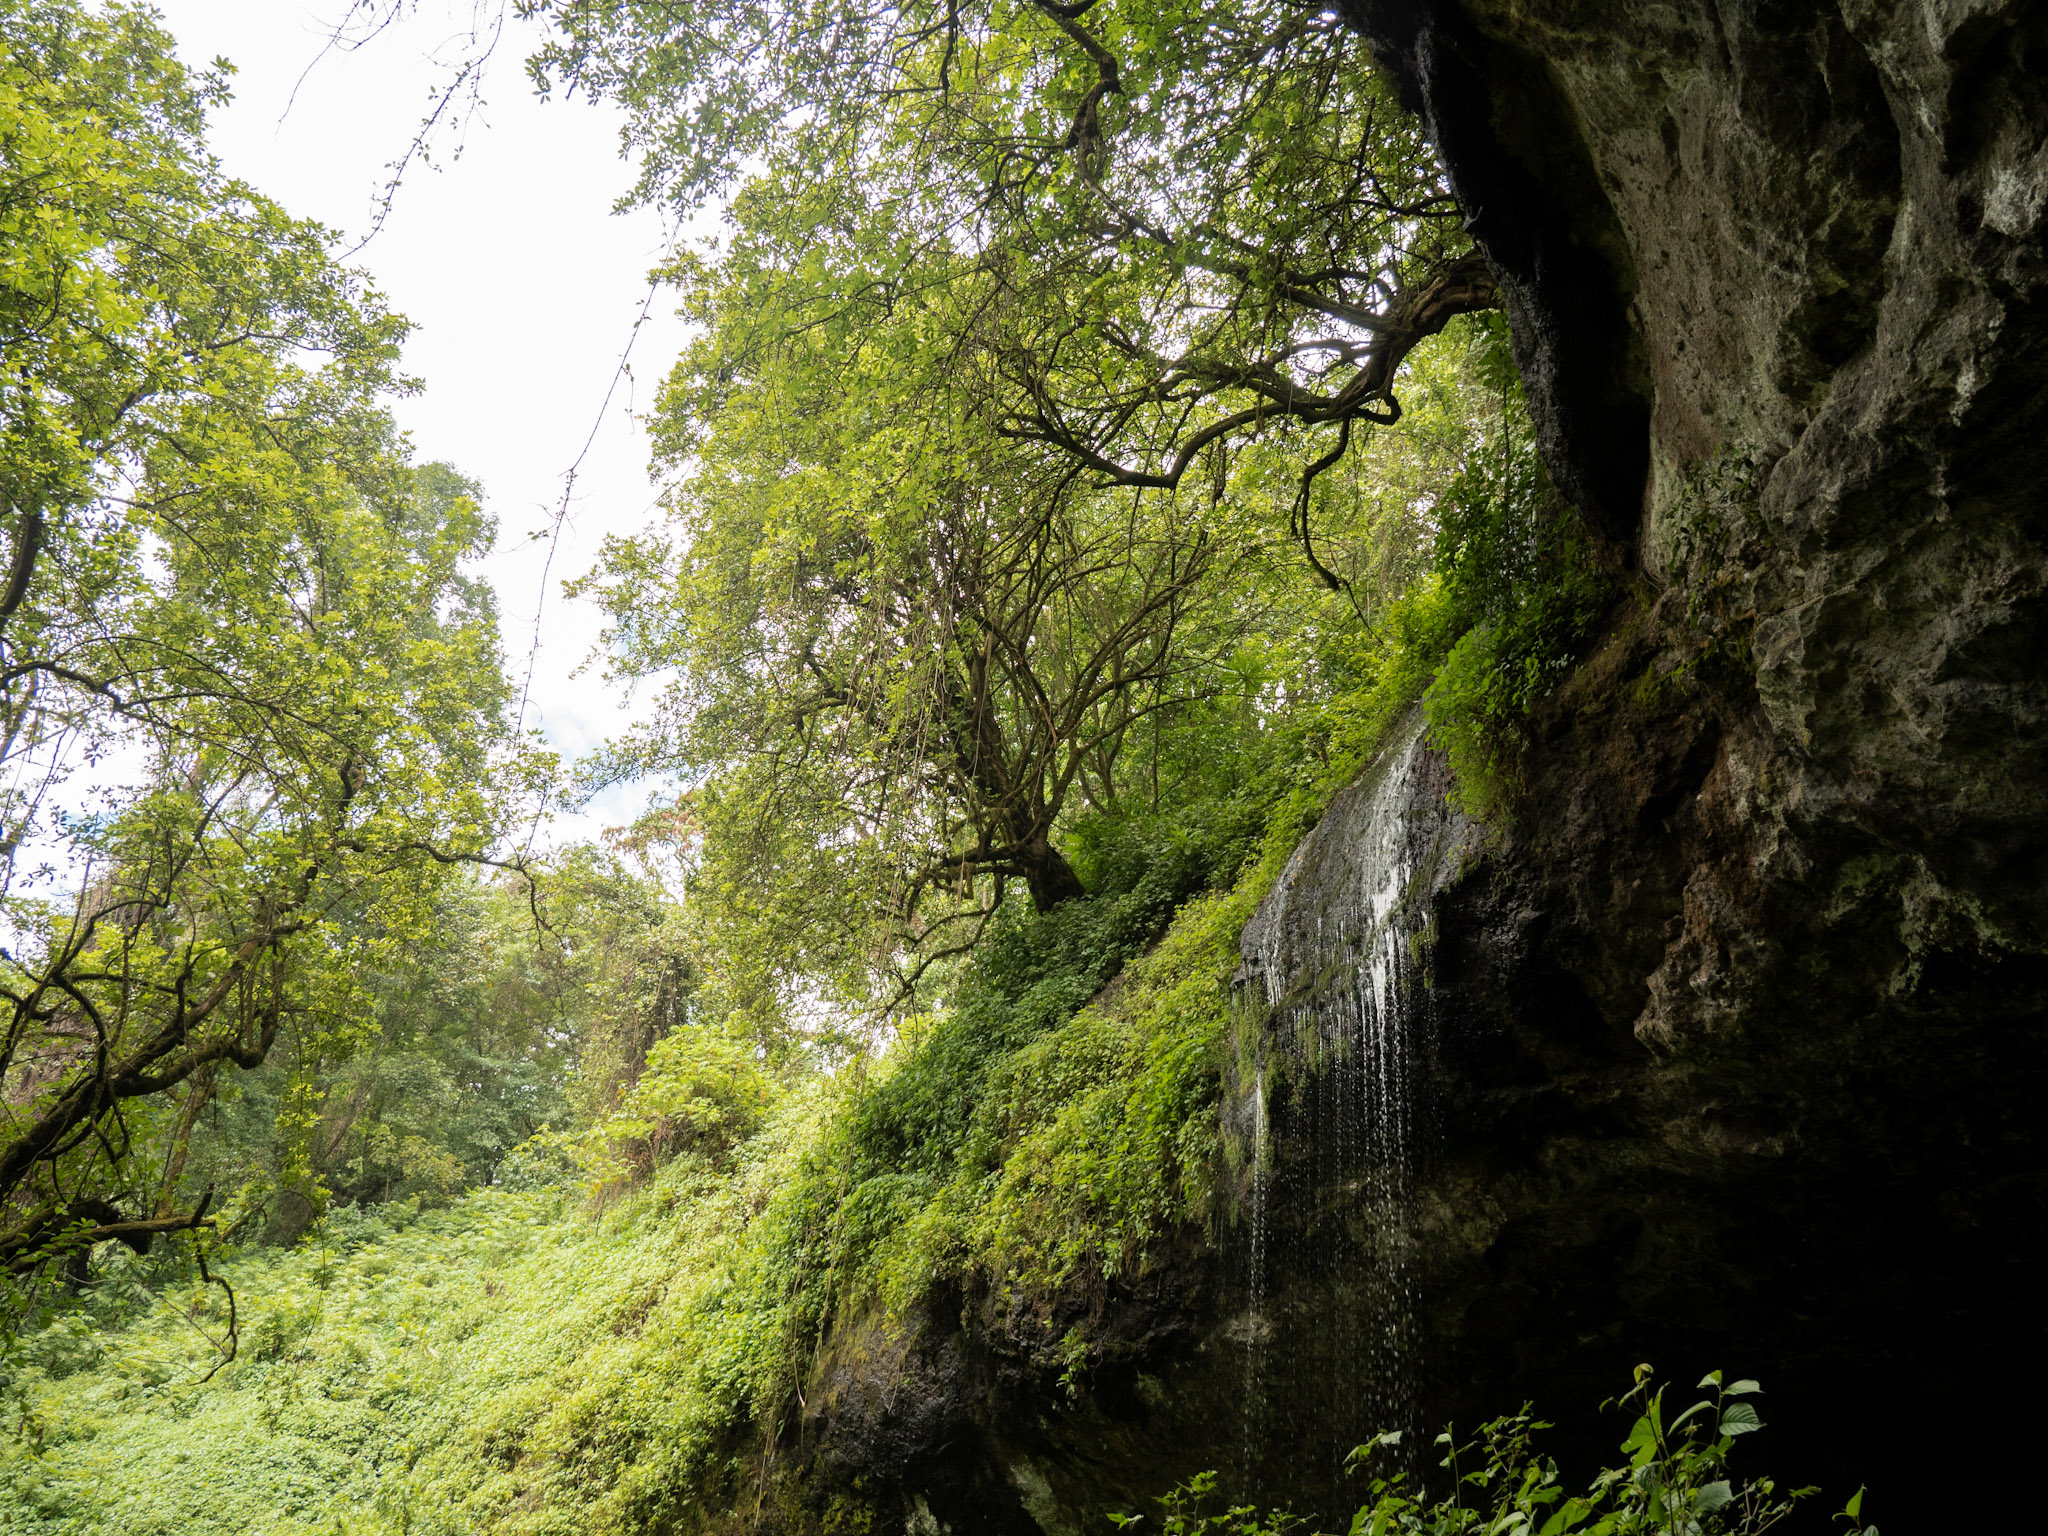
pixel 1741 1026
pixel 1748 1034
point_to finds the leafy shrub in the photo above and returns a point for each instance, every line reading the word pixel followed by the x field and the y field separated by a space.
pixel 1676 1481
pixel 367 1346
pixel 1520 578
pixel 701 1092
pixel 1047 1123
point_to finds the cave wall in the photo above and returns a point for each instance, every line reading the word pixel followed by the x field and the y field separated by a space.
pixel 1750 1001
pixel 1775 276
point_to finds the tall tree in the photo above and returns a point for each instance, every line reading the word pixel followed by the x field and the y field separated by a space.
pixel 1173 226
pixel 898 653
pixel 248 697
pixel 1032 328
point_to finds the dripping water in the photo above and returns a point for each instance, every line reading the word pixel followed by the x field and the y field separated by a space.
pixel 1255 1310
pixel 1339 1039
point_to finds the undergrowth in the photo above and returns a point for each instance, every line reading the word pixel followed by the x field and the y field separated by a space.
pixel 518 1364
pixel 1524 588
pixel 1675 1480
pixel 361 1348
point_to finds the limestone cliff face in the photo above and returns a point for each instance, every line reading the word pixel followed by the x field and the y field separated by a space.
pixel 1776 272
pixel 1737 1031
pixel 1749 1007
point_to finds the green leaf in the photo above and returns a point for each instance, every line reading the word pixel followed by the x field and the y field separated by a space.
pixel 1744 1387
pixel 1739 1419
pixel 1712 1497
pixel 1693 1411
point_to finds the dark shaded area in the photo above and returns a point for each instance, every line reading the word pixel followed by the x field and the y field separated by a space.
pixel 1840 1192
pixel 1566 275
pixel 1747 1022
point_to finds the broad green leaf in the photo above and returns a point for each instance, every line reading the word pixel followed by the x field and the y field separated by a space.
pixel 1739 1419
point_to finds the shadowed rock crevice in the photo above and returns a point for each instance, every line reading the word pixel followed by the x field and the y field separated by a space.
pixel 1534 202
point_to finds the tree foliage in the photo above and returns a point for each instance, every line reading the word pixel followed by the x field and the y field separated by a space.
pixel 249 698
pixel 1018 540
pixel 1033 334
pixel 1164 226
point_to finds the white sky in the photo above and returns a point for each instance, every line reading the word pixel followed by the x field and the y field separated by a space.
pixel 522 283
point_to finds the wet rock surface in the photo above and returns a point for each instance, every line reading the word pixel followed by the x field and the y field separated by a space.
pixel 1745 1019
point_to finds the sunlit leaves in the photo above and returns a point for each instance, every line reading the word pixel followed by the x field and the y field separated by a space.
pixel 249 698
pixel 910 616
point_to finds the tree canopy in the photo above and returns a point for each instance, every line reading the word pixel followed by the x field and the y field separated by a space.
pixel 1032 331
pixel 1089 455
pixel 249 697
pixel 1156 226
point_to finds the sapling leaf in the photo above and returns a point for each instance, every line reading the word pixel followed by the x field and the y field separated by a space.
pixel 1712 1497
pixel 1641 1443
pixel 1853 1510
pixel 1744 1387
pixel 1739 1419
pixel 1696 1408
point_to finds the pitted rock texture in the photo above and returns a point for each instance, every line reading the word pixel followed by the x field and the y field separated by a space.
pixel 1746 1017
pixel 1811 236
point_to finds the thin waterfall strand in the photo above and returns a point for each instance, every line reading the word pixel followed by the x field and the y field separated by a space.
pixel 1345 1026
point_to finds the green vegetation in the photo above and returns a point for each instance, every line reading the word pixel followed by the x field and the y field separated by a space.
pixel 578 1373
pixel 361 1345
pixel 1676 1479
pixel 1526 592
pixel 1016 447
pixel 251 703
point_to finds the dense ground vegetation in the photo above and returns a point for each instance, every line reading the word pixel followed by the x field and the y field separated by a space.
pixel 1099 442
